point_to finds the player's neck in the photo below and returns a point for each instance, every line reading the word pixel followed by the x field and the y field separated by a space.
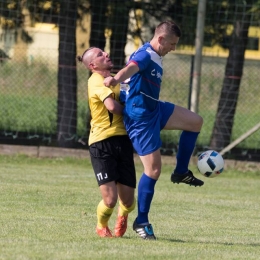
pixel 104 73
pixel 156 47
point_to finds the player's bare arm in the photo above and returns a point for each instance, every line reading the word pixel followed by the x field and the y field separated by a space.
pixel 122 75
pixel 113 106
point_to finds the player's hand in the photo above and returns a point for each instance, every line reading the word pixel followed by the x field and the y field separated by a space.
pixel 110 81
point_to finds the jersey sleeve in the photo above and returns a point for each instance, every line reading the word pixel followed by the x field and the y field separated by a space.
pixel 103 93
pixel 97 88
pixel 141 59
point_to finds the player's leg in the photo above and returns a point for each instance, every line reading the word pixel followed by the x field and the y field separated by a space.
pixel 126 183
pixel 105 208
pixel 184 119
pixel 126 198
pixel 145 137
pixel 146 186
pixel 146 189
pixel 126 205
pixel 190 123
pixel 104 165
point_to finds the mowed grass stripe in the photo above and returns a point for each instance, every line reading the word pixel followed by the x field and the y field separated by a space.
pixel 48 211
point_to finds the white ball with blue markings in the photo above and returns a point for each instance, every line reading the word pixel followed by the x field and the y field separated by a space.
pixel 210 163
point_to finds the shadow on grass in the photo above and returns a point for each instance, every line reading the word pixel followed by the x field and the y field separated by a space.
pixel 209 243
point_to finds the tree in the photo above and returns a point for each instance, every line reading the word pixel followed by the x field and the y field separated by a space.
pixel 224 13
pixel 13 18
pixel 118 23
pixel 222 130
pixel 50 11
pixel 105 14
pixel 67 76
pixel 98 23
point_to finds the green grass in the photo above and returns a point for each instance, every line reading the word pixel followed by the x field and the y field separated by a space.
pixel 28 100
pixel 48 211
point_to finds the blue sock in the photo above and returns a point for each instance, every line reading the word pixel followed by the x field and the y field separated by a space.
pixel 186 146
pixel 145 196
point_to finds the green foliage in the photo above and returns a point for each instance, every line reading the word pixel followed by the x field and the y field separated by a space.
pixel 28 100
pixel 48 211
pixel 222 14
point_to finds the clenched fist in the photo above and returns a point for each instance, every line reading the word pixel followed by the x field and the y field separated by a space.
pixel 110 81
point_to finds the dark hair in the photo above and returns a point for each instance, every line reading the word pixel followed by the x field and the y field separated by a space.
pixel 168 27
pixel 80 58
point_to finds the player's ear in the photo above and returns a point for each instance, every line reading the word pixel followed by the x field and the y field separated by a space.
pixel 91 66
pixel 161 40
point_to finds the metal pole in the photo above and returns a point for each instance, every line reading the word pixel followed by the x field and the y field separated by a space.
pixel 190 85
pixel 198 55
pixel 240 139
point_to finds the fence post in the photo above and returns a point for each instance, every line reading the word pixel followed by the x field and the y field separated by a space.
pixel 190 85
pixel 198 55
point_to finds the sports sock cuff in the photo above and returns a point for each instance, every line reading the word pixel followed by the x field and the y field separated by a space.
pixel 102 207
pixel 123 210
pixel 103 214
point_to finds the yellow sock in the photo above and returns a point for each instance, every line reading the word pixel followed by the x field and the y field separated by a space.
pixel 103 214
pixel 123 210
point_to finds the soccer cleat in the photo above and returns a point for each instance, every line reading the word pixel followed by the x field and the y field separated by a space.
pixel 144 231
pixel 187 178
pixel 121 225
pixel 104 232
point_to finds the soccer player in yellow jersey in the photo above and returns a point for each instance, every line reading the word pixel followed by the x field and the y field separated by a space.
pixel 110 148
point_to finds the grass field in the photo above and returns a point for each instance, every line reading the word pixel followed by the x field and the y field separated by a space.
pixel 48 211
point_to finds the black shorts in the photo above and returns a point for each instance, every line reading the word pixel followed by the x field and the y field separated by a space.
pixel 112 160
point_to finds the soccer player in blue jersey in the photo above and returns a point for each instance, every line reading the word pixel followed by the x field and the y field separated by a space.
pixel 145 116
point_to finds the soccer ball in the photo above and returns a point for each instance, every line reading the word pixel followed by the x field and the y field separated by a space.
pixel 210 164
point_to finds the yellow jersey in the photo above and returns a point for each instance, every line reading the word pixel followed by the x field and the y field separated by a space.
pixel 103 123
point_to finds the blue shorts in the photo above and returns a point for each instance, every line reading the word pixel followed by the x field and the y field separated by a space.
pixel 145 133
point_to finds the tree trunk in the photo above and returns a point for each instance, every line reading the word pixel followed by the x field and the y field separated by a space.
pixel 98 24
pixel 119 26
pixel 221 135
pixel 67 76
pixel 97 36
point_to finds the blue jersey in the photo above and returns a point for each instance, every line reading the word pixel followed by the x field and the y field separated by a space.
pixel 145 85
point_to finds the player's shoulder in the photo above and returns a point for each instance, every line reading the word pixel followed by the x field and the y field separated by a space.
pixel 145 46
pixel 143 50
pixel 147 51
pixel 95 80
pixel 140 55
pixel 96 76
